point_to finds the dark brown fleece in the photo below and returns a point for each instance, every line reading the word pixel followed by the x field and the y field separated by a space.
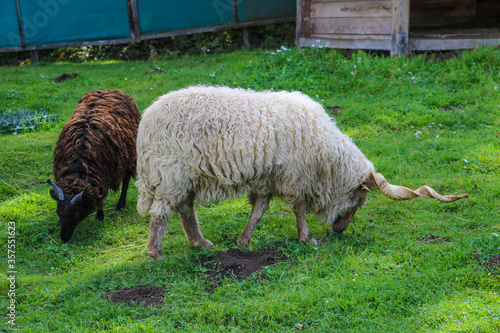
pixel 97 145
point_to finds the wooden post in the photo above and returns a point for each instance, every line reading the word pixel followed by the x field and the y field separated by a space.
pixel 35 57
pixel 20 22
pixel 303 20
pixel 246 39
pixel 133 19
pixel 400 27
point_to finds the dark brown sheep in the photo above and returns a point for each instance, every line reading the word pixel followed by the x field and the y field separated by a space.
pixel 95 152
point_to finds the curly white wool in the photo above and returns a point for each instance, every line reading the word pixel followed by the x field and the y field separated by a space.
pixel 219 142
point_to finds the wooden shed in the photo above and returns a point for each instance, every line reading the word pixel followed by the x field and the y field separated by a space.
pixel 398 26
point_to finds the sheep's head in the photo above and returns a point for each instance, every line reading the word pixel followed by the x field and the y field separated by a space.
pixel 376 181
pixel 71 211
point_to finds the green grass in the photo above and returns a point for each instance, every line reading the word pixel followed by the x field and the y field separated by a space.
pixel 420 120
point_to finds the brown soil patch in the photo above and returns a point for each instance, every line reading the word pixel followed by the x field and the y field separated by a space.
pixel 236 264
pixel 147 294
pixel 432 239
pixel 334 109
pixel 493 261
pixel 65 77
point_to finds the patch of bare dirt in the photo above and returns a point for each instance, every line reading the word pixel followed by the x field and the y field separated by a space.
pixel 493 261
pixel 432 239
pixel 239 265
pixel 335 110
pixel 65 77
pixel 147 294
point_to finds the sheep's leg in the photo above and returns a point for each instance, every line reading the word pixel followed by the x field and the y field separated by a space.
pixel 260 205
pixel 190 225
pixel 157 227
pixel 123 195
pixel 100 212
pixel 302 230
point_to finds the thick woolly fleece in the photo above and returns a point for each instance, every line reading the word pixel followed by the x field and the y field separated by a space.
pixel 97 144
pixel 218 143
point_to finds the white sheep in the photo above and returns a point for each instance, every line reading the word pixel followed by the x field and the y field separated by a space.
pixel 213 143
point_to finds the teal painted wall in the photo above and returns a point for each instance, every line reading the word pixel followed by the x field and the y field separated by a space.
pixel 66 21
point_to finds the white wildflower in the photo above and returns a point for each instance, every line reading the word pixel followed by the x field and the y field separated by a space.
pixel 125 79
pixel 465 160
pixel 494 234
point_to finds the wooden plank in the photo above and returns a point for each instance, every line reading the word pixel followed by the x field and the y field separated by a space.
pixel 333 1
pixel 360 26
pixel 322 37
pixel 400 27
pixel 450 44
pixel 72 44
pixel 217 28
pixel 352 9
pixel 367 43
pixel 488 9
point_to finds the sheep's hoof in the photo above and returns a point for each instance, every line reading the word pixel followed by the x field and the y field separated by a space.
pixel 120 207
pixel 100 215
pixel 201 243
pixel 308 239
pixel 204 243
pixel 243 243
pixel 158 255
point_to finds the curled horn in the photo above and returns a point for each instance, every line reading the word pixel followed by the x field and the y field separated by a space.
pixel 377 181
pixel 57 189
pixel 77 198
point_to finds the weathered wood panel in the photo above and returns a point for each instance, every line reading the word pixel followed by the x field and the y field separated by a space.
pixel 332 1
pixel 359 26
pixel 440 44
pixel 352 9
pixel 488 8
pixel 363 42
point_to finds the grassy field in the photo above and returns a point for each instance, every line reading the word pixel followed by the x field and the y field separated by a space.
pixel 415 266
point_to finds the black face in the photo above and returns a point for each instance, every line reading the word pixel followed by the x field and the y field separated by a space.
pixel 71 214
